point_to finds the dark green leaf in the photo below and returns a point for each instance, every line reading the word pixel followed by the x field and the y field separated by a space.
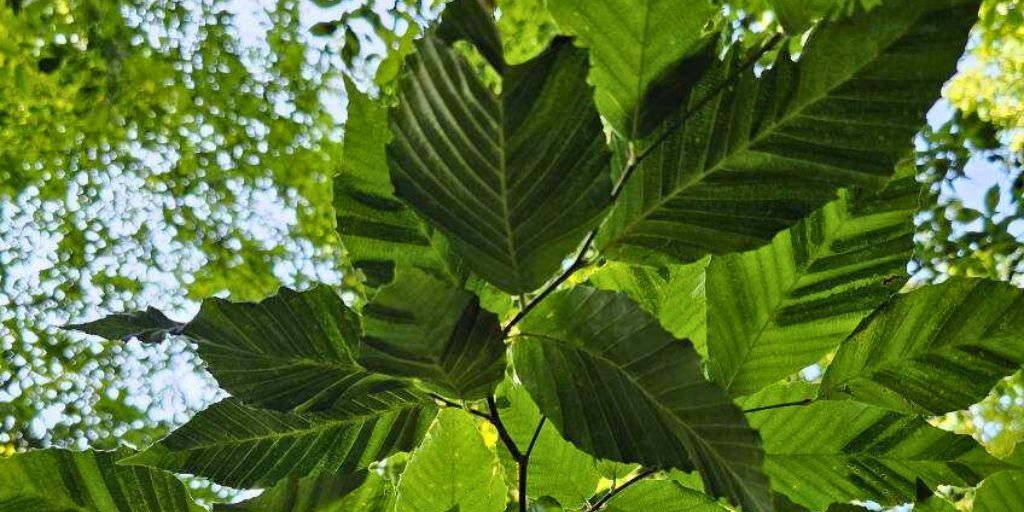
pixel 936 349
pixel 56 480
pixel 638 52
pixel 294 351
pixel 423 328
pixel 452 470
pixel 378 231
pixel 829 452
pixel 324 28
pixel 150 326
pixel 516 181
pixel 618 386
pixel 240 446
pixel 784 306
pixel 765 152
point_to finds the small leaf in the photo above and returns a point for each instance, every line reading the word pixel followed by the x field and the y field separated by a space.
pixel 149 326
pixel 324 28
pixel 472 21
pixel 992 199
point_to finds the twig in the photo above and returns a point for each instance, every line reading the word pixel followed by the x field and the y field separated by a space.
pixel 805 401
pixel 533 440
pixel 503 434
pixel 455 405
pixel 611 494
pixel 631 165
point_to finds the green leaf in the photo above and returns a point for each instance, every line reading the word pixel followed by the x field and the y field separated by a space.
pixel 324 28
pixel 423 328
pixel 557 468
pixel 150 326
pixel 798 15
pixel 240 446
pixel 767 151
pixel 326 492
pixel 936 349
pixel 514 181
pixel 639 54
pixel 674 294
pixel 663 496
pixel 828 452
pixel 784 306
pixel 619 387
pixel 294 351
pixel 378 231
pixel 1004 491
pixel 473 21
pixel 55 480
pixel 453 470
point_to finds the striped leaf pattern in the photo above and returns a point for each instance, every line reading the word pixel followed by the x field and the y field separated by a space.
pixel 241 446
pixel 674 294
pixel 639 53
pixel 453 470
pixel 829 452
pixel 420 327
pixel 767 151
pixel 54 480
pixel 514 181
pixel 364 491
pixel 295 351
pixel 377 230
pixel 782 307
pixel 619 387
pixel 936 349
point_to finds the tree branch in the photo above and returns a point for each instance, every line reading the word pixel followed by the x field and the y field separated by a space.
pixel 614 492
pixel 455 405
pixel 631 165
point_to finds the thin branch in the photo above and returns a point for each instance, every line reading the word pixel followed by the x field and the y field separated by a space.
pixel 503 434
pixel 448 403
pixel 611 494
pixel 805 401
pixel 533 440
pixel 631 165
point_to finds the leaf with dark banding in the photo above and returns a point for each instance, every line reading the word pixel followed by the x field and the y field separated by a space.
pixel 619 387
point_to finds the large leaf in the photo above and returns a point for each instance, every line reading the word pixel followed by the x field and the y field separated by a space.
pixel 663 496
pixel 766 151
pixel 674 294
pixel 638 53
pixel 453 470
pixel 618 386
pixel 364 491
pixel 378 231
pixel 782 307
pixel 557 468
pixel 514 181
pixel 829 452
pixel 472 21
pixel 240 446
pixel 424 328
pixel 1004 491
pixel 936 349
pixel 294 351
pixel 62 481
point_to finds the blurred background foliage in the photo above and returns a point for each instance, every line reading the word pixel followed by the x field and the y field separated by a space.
pixel 155 152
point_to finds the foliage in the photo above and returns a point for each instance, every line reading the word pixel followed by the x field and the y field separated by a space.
pixel 555 315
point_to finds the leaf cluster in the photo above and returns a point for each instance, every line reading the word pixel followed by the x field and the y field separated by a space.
pixel 592 279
